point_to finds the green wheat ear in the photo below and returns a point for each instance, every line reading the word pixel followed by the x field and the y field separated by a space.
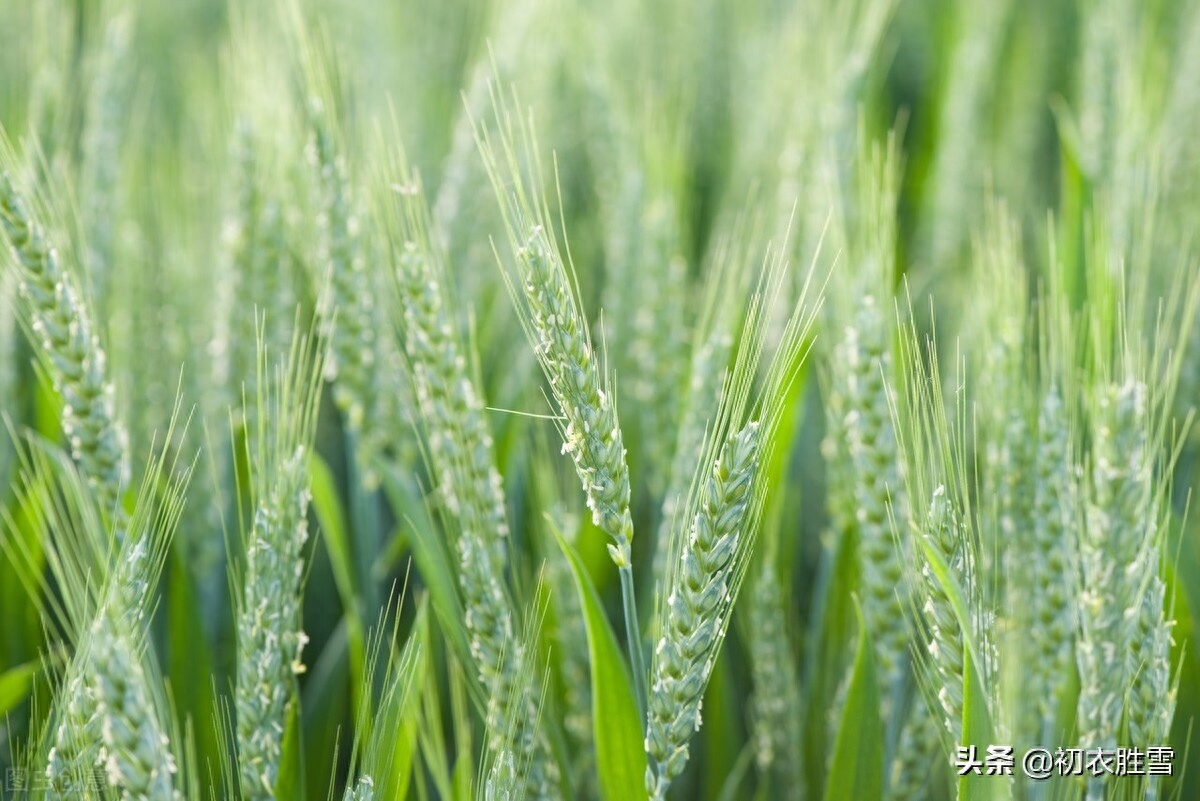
pixel 544 291
pixel 270 637
pixel 109 713
pixel 713 541
pixel 867 474
pixel 952 612
pixel 53 307
pixel 547 300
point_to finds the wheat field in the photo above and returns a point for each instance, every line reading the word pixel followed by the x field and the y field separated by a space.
pixel 549 399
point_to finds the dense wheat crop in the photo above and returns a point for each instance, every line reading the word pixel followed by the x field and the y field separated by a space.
pixel 556 399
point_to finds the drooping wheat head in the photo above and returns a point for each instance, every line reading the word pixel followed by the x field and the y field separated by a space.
pixel 544 290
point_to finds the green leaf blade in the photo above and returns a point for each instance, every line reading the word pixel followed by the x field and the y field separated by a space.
pixel 620 755
pixel 857 768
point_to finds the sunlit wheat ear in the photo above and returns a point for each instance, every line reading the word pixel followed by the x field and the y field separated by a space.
pixel 270 638
pixel 462 457
pixel 460 441
pixel 54 310
pixel 1118 550
pixel 136 749
pixel 714 541
pixel 695 608
pixel 1115 547
pixel 543 288
pixel 1128 390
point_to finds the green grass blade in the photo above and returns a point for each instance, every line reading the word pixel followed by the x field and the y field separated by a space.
pixel 328 507
pixel 433 563
pixel 403 748
pixel 977 731
pixel 332 518
pixel 15 685
pixel 857 767
pixel 189 657
pixel 620 757
pixel 827 652
pixel 290 783
pixel 949 584
pixel 324 718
